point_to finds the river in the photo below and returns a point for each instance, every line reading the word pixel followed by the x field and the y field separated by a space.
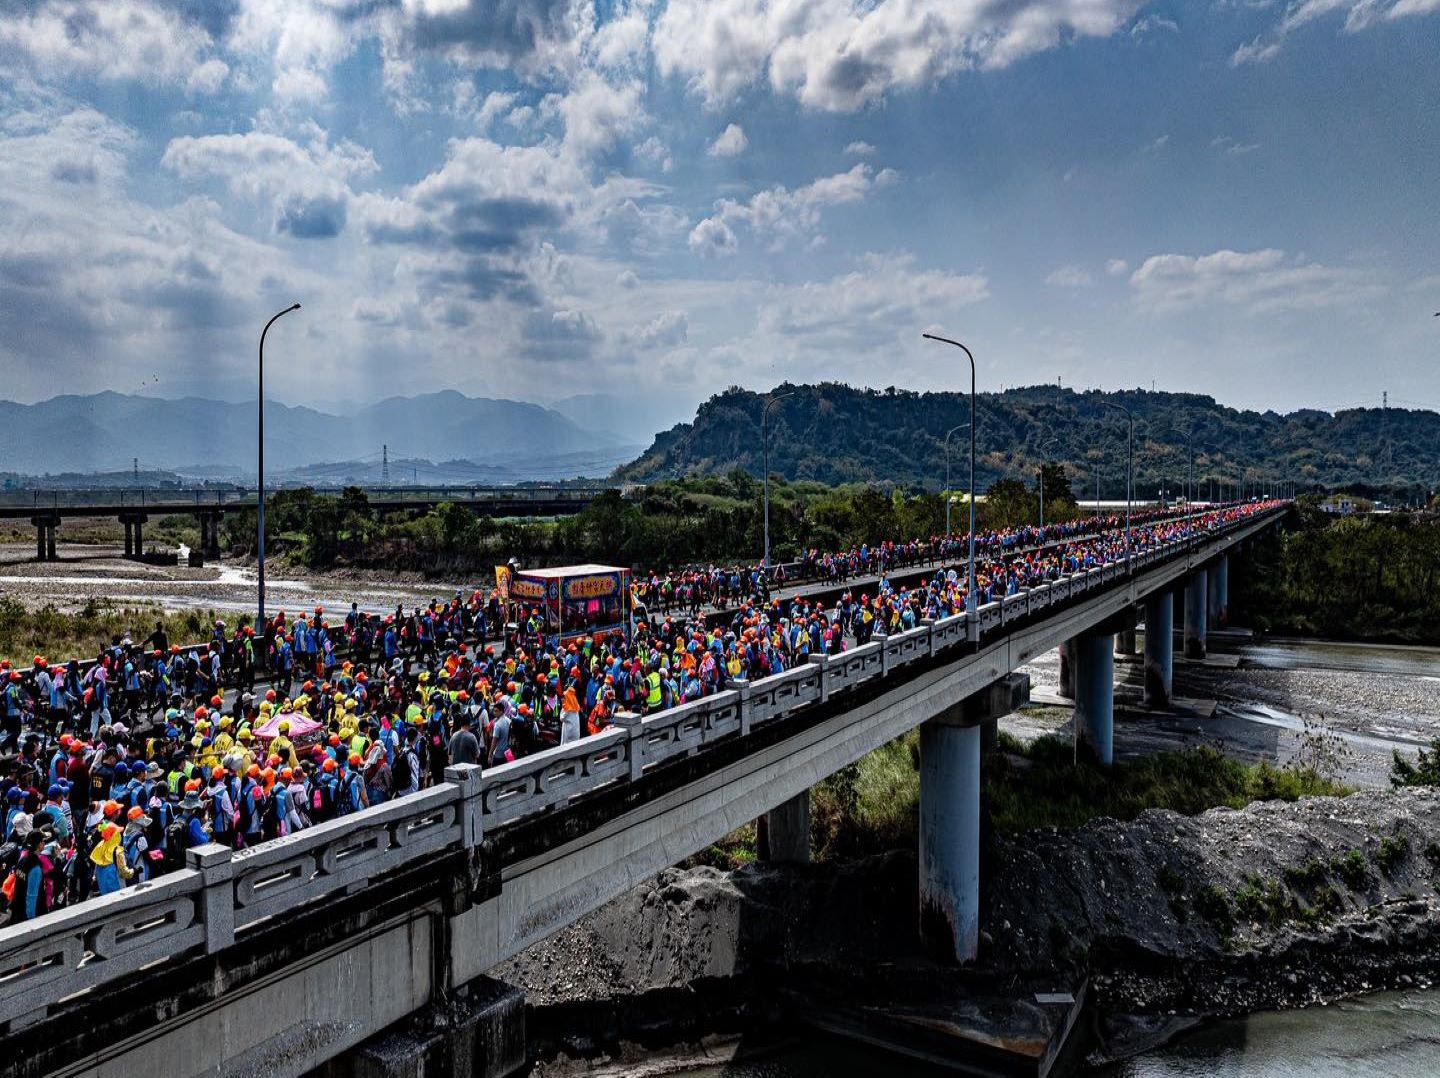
pixel 1371 700
pixel 1389 1035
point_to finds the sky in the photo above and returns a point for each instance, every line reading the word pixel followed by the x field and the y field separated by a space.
pixel 657 199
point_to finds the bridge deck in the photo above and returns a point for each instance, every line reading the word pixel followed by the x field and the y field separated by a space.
pixel 429 891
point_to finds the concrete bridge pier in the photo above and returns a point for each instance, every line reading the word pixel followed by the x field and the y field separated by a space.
pixel 477 1032
pixel 1095 694
pixel 209 534
pixel 134 535
pixel 1195 595
pixel 1125 642
pixel 950 750
pixel 782 835
pixel 1221 602
pixel 1159 649
pixel 45 537
pixel 1067 669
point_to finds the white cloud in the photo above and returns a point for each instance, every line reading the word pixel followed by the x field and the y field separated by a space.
pixel 1359 15
pixel 1068 277
pixel 1153 24
pixel 1263 281
pixel 712 238
pixel 868 311
pixel 859 149
pixel 116 40
pixel 840 55
pixel 1116 267
pixel 597 114
pixel 730 143
pixel 669 329
pixel 306 184
pixel 656 153
pixel 784 214
pixel 1158 144
pixel 1231 147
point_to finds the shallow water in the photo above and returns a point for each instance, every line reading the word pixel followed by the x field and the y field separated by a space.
pixel 1389 1035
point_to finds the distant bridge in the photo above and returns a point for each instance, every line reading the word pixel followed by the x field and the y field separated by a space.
pixel 277 959
pixel 45 509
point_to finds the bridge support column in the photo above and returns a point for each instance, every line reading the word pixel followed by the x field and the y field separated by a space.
pixel 783 834
pixel 129 539
pixel 1125 642
pixel 1095 695
pixel 212 545
pixel 1159 649
pixel 45 536
pixel 478 1032
pixel 1221 573
pixel 950 818
pixel 1195 615
pixel 1067 669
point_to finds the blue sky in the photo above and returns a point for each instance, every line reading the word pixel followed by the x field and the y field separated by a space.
pixel 542 198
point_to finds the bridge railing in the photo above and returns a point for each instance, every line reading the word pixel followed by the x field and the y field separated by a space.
pixel 211 903
pixel 182 499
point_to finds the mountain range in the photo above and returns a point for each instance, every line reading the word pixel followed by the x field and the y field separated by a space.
pixel 107 431
pixel 837 433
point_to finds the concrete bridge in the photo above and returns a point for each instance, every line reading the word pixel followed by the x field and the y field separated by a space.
pixel 46 510
pixel 280 958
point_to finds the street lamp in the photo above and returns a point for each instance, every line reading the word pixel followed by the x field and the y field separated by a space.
pixel 949 432
pixel 973 625
pixel 260 485
pixel 1129 468
pixel 1040 481
pixel 765 433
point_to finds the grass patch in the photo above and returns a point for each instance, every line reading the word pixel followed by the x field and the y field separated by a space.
pixel 1213 904
pixel 81 634
pixel 1393 850
pixel 1353 870
pixel 1265 902
pixel 1046 788
pixel 1311 874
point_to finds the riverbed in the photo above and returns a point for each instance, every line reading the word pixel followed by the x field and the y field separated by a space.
pixel 1388 1035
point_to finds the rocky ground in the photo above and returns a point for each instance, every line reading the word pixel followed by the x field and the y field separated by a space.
pixel 1171 918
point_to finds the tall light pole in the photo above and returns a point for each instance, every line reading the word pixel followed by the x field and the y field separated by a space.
pixel 1129 468
pixel 1040 479
pixel 949 432
pixel 765 433
pixel 260 487
pixel 972 624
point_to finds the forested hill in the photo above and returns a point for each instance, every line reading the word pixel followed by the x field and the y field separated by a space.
pixel 837 434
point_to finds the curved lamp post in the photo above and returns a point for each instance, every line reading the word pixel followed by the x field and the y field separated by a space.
pixel 1129 468
pixel 260 484
pixel 765 434
pixel 972 624
pixel 1040 479
pixel 949 432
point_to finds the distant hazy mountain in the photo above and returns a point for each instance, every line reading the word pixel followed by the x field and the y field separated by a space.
pixel 631 419
pixel 837 433
pixel 105 431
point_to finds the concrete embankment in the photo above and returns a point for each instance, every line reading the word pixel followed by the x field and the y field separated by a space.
pixel 1171 919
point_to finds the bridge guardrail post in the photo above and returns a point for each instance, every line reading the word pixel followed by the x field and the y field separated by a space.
pixel 471 809
pixel 217 895
pixel 742 688
pixel 881 639
pixel 630 722
pixel 822 661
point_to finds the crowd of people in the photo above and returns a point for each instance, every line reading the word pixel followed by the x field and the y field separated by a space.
pixel 117 769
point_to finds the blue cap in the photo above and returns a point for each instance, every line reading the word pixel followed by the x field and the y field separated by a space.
pixel 171 731
pixel 56 790
pixel 121 769
pixel 16 794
